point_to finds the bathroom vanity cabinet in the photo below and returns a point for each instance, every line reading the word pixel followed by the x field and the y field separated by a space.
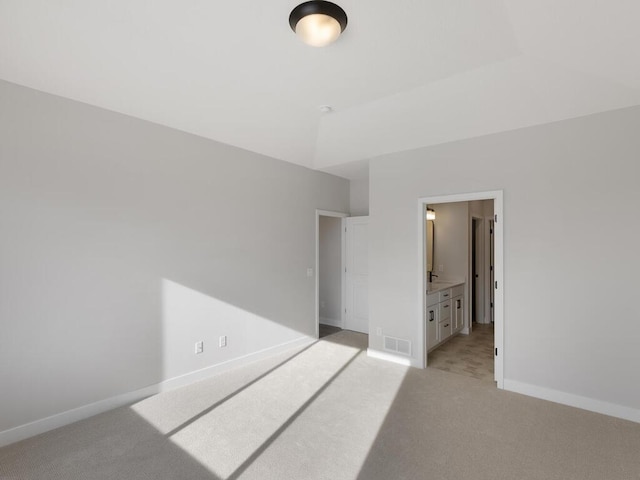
pixel 444 313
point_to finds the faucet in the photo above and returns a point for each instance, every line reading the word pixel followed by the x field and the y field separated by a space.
pixel 431 275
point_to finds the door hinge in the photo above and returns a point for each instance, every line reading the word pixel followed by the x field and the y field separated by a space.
pixel 491 268
pixel 496 217
pixel 491 304
pixel 491 231
pixel 496 284
pixel 496 351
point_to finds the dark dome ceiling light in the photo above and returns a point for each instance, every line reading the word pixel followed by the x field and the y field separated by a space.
pixel 318 23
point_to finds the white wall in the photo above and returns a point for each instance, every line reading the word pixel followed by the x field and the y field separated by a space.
pixel 571 252
pixel 330 270
pixel 359 197
pixel 124 242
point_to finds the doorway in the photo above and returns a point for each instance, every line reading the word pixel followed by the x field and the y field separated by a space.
pixel 330 265
pixel 484 272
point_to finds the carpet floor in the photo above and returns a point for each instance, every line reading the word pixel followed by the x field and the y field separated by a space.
pixel 327 411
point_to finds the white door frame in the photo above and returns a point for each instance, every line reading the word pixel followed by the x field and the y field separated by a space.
pixel 489 266
pixel 329 213
pixel 498 231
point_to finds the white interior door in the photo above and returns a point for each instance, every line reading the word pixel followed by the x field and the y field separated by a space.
pixel 357 274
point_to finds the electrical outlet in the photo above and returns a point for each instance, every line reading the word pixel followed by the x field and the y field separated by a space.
pixel 441 268
pixel 379 331
pixel 199 347
pixel 323 304
pixel 309 272
pixel 222 341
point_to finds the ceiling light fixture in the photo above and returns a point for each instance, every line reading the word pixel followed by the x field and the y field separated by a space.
pixel 318 23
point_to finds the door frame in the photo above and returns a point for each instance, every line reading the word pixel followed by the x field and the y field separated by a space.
pixel 341 215
pixel 498 209
pixel 490 267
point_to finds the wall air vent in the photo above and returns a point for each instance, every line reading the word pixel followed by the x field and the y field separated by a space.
pixel 397 345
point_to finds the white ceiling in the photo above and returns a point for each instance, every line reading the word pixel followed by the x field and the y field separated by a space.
pixel 405 74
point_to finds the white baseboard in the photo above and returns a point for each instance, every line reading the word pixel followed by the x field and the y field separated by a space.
pixel 585 403
pixel 389 357
pixel 43 425
pixel 331 321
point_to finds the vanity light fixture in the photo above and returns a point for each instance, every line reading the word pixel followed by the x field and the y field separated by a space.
pixel 318 23
pixel 431 214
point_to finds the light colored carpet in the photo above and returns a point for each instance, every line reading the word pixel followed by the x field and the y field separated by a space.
pixel 470 355
pixel 330 412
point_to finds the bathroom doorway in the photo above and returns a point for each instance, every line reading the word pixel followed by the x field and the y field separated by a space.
pixel 483 274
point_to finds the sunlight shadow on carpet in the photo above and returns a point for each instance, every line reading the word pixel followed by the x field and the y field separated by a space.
pixel 297 401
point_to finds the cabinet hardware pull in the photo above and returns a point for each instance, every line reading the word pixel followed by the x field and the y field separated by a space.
pixel 446 306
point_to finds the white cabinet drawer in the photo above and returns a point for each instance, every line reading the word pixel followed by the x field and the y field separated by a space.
pixel 457 291
pixel 445 294
pixel 445 310
pixel 445 329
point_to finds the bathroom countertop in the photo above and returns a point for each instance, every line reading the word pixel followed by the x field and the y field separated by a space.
pixel 436 287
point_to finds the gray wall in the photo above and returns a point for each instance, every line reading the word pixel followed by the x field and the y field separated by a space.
pixel 330 270
pixel 124 242
pixel 571 234
pixel 359 197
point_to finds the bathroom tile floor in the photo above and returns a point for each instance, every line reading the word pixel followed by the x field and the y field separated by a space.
pixel 469 355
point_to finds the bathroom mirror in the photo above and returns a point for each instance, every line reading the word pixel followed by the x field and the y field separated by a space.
pixel 429 245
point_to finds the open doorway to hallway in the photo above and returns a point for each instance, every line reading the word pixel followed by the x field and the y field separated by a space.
pixel 342 273
pixel 462 266
pixel 330 265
